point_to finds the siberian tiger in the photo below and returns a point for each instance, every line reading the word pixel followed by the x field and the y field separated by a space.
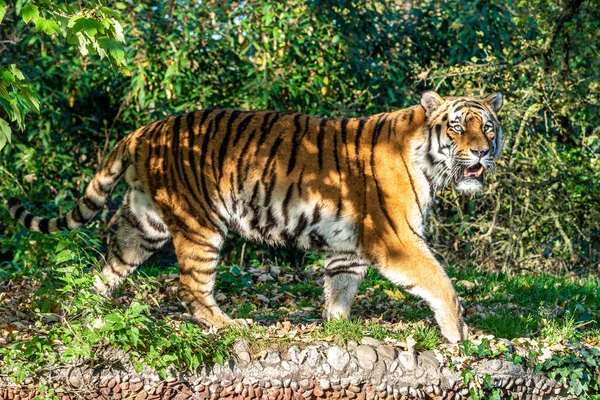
pixel 357 188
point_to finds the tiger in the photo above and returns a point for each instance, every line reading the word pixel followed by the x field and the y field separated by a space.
pixel 357 189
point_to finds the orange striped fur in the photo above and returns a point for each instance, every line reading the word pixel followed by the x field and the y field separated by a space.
pixel 357 188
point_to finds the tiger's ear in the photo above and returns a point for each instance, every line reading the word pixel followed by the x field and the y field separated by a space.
pixel 430 101
pixel 495 101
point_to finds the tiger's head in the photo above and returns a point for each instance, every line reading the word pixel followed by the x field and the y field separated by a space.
pixel 463 137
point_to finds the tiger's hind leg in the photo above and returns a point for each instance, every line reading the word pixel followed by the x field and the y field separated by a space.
pixel 343 275
pixel 198 255
pixel 141 232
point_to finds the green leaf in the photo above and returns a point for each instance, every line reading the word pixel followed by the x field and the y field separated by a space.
pixel 114 48
pixel 2 10
pixel 7 77
pixel 30 12
pixel 88 25
pixel 63 256
pixel 16 72
pixel 5 133
pixel 47 26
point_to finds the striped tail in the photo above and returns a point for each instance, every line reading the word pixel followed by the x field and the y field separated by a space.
pixel 96 194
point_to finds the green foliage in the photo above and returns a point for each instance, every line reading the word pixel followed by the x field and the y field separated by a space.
pixel 87 322
pixel 94 28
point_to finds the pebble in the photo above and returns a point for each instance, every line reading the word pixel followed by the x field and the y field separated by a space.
pixel 338 358
pixel 408 360
pixel 386 352
pixel 366 357
pixel 369 341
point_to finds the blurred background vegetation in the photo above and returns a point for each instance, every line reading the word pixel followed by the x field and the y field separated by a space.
pixel 78 77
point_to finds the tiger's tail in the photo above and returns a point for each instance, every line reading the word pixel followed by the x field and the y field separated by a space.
pixel 96 194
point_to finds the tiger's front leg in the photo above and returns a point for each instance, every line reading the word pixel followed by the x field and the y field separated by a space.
pixel 413 267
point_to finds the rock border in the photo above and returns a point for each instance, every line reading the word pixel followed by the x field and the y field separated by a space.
pixel 363 371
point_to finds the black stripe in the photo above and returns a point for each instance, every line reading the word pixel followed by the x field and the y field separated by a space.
pixel 337 158
pixel 156 225
pixel 320 140
pixel 91 204
pixel 331 274
pixel 286 203
pixel 299 183
pixel 132 221
pixel 13 201
pixel 191 145
pixel 18 212
pixel 117 252
pixel 412 185
pixel 241 128
pixel 361 126
pixel 302 224
pixel 263 130
pixel 44 225
pixel 218 118
pixel 295 143
pixel 241 158
pixel 269 189
pixel 61 223
pixel 316 217
pixel 412 229
pixel 272 154
pixel 76 215
pixel 225 144
pixel 27 220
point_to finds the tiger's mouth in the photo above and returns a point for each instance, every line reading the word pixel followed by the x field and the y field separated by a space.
pixel 473 173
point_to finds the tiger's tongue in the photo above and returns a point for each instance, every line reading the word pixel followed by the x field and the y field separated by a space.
pixel 475 171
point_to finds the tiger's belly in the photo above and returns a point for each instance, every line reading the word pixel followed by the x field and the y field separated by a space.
pixel 300 223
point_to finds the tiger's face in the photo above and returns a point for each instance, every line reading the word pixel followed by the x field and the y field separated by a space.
pixel 464 139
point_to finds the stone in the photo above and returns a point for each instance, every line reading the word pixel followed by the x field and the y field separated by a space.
pixel 428 358
pixel 272 359
pixel 312 358
pixel 324 383
pixel 353 388
pixel 286 382
pixel 135 386
pixel 378 373
pixel 304 384
pixel 243 357
pixel 369 341
pixel 338 358
pixel 366 357
pixel 318 391
pixel 241 345
pixel 408 359
pixel 143 395
pixel 238 388
pixel 326 368
pixel 495 365
pixel 386 352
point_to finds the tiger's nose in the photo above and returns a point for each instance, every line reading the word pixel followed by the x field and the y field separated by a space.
pixel 480 151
